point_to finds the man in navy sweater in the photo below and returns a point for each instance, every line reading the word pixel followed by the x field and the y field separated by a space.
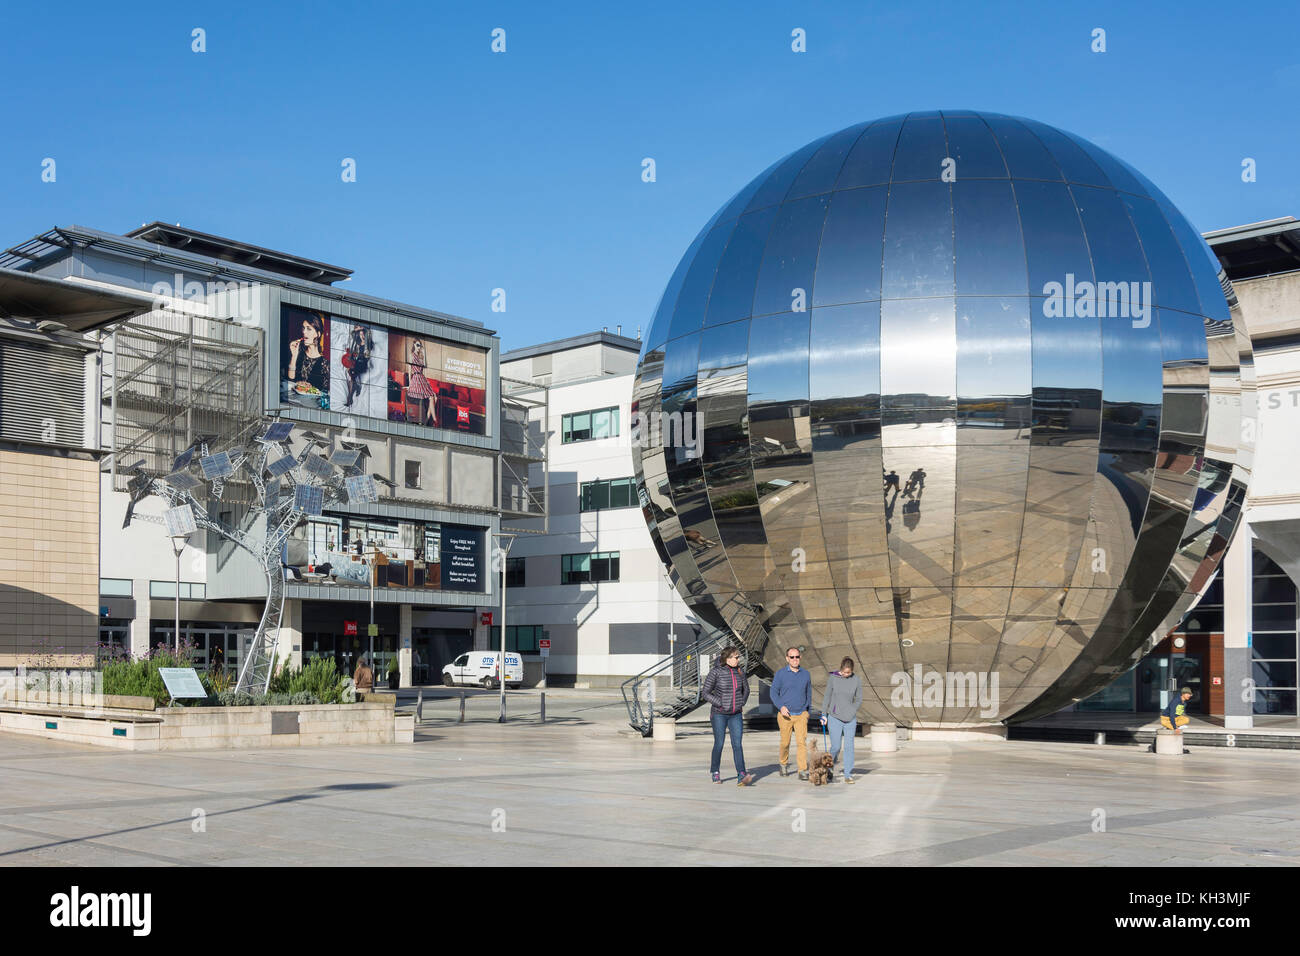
pixel 792 696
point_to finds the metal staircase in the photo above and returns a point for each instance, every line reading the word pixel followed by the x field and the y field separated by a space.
pixel 671 688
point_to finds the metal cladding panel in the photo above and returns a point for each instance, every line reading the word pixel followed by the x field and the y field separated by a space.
pixel 941 387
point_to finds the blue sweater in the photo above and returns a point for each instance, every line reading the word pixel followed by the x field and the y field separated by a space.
pixel 793 690
pixel 1177 707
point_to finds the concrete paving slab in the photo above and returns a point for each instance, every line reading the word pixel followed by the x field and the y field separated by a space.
pixel 577 791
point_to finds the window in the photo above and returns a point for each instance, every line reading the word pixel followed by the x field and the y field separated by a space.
pixel 167 589
pixel 585 426
pixel 615 493
pixel 412 474
pixel 521 638
pixel 1273 638
pixel 115 587
pixel 515 573
pixel 589 568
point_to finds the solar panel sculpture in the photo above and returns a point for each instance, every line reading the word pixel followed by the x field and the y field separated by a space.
pixel 288 489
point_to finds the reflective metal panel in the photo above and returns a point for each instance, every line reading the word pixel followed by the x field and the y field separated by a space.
pixel 848 262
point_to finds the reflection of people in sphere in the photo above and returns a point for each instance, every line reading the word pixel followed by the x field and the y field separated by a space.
pixel 419 387
pixel 356 360
pixel 307 361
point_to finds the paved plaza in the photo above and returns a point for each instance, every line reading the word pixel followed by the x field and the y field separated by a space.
pixel 580 789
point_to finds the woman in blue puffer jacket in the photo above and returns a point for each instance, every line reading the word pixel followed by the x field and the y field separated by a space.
pixel 726 688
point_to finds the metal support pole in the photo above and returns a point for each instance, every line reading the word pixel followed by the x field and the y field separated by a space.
pixel 503 552
pixel 370 626
pixel 461 719
pixel 502 674
pixel 419 705
pixel 178 599
pixel 543 706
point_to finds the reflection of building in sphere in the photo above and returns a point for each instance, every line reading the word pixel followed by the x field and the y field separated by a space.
pixel 1008 321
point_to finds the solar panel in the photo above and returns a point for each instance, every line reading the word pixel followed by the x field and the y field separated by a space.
pixel 361 489
pixel 183 459
pixel 216 466
pixel 179 520
pixel 318 466
pixel 309 499
pixel 277 432
pixel 345 458
pixel 282 466
pixel 183 480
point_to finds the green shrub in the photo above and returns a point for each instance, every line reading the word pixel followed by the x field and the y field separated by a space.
pixel 139 677
pixel 320 679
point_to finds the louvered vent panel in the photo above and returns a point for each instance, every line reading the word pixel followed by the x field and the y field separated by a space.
pixel 42 394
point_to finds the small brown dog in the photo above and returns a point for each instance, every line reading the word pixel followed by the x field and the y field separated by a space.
pixel 820 766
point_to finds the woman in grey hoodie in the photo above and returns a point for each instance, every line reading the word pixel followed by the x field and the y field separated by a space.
pixel 840 712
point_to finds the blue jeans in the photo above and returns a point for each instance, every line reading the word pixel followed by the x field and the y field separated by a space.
pixel 847 728
pixel 721 724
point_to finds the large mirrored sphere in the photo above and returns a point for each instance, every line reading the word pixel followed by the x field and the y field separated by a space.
pixel 934 393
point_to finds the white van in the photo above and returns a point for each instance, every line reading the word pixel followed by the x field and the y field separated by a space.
pixel 481 667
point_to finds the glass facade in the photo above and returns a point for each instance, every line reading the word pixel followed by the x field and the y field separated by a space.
pixel 1273 638
pixel 942 381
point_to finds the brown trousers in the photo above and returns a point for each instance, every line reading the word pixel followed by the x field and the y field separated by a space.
pixel 798 724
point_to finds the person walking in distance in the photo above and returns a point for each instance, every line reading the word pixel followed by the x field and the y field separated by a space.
pixel 840 706
pixel 726 688
pixel 792 696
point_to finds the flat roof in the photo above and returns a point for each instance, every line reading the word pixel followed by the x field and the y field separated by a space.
pixel 573 342
pixel 62 240
pixel 232 250
pixel 78 307
pixel 1257 248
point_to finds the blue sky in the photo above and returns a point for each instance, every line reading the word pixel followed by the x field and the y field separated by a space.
pixel 522 170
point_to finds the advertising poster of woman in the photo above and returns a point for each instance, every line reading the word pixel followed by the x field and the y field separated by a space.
pixel 358 368
pixel 304 357
pixel 412 397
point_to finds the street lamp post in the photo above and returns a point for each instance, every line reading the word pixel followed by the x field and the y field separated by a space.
pixel 370 626
pixel 178 545
pixel 504 541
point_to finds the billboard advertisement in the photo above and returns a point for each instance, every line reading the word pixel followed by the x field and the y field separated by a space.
pixel 304 357
pixel 358 368
pixel 462 558
pixel 341 365
pixel 436 383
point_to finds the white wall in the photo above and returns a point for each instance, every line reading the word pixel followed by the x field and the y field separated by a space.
pixel 642 593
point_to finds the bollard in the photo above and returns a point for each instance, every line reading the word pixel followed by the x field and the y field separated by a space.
pixel 1169 743
pixel 884 738
pixel 543 706
pixel 419 705
pixel 665 728
pixel 462 708
pixel 1099 739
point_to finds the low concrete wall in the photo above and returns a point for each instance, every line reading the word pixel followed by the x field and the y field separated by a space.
pixel 216 728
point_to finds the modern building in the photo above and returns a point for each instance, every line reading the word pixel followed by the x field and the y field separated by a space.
pixel 49 466
pixel 587 578
pixel 237 333
pixel 1236 649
